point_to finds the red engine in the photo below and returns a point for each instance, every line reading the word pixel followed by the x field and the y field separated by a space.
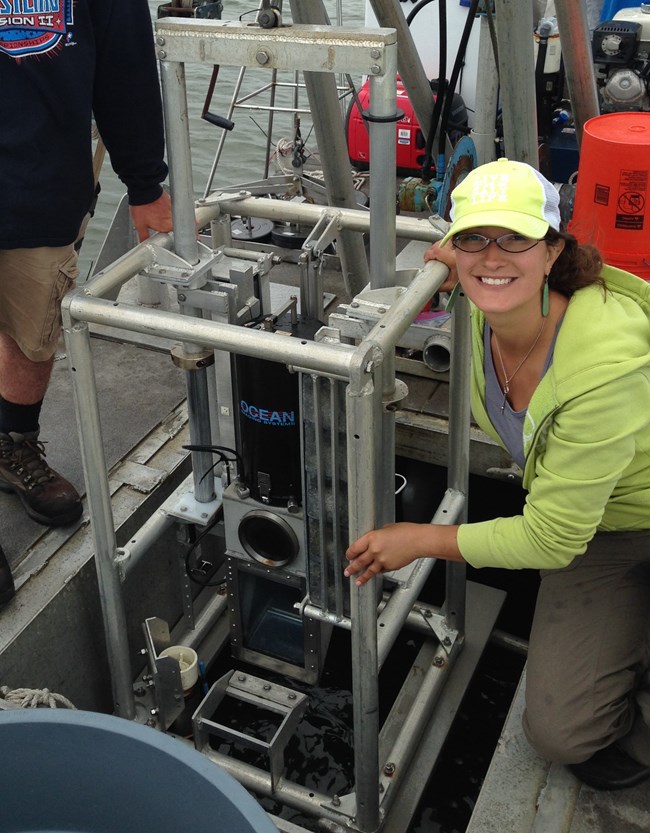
pixel 410 142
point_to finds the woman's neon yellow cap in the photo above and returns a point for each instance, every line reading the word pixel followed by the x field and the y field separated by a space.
pixel 510 195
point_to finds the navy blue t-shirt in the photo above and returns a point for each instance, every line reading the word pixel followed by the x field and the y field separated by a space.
pixel 61 61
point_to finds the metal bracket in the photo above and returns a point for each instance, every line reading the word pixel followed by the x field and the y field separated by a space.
pixel 217 197
pixel 323 233
pixel 256 692
pixel 399 393
pixel 183 505
pixel 445 635
pixel 168 267
pixel 270 15
pixel 190 361
pixel 165 673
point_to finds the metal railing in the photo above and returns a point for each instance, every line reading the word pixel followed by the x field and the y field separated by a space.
pixel 367 369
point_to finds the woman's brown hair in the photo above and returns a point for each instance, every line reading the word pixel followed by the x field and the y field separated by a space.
pixel 578 265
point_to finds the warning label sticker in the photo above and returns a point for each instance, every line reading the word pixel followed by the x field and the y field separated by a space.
pixel 601 194
pixel 403 136
pixel 632 199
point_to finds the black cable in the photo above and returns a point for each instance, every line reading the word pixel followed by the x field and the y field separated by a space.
pixel 416 9
pixel 188 570
pixel 427 162
pixel 453 80
pixel 215 449
pixel 221 450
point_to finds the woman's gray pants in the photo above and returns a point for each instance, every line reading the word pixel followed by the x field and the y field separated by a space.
pixel 588 673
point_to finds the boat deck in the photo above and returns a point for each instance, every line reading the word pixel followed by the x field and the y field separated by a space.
pixel 522 793
pixel 137 388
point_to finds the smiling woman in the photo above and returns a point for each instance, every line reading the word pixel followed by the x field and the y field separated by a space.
pixel 559 341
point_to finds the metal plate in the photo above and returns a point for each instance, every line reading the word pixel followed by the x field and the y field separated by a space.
pixel 462 161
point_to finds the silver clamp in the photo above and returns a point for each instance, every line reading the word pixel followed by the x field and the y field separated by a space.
pixel 168 267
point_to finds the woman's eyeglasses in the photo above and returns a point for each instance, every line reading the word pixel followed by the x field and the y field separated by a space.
pixel 512 243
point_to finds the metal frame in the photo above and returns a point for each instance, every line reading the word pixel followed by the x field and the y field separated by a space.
pixel 367 369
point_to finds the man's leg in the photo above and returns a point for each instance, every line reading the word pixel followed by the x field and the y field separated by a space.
pixel 33 283
pixel 22 381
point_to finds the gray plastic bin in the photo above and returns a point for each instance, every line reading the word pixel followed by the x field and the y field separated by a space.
pixel 81 771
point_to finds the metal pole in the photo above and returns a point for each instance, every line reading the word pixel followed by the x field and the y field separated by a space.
pixel 284 211
pixel 385 459
pixel 172 78
pixel 403 598
pixel 328 359
pixel 270 120
pixel 330 135
pixel 77 339
pixel 362 432
pixel 514 22
pixel 224 133
pixel 576 53
pixel 141 542
pixel 459 439
pixel 411 70
pixel 185 245
pixel 383 177
pixel 200 430
pixel 487 96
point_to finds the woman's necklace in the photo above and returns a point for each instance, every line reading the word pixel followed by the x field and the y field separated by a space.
pixel 507 379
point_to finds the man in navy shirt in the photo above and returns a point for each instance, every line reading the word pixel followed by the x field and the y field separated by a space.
pixel 62 62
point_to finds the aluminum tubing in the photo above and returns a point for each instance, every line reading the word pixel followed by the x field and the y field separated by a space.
pixel 514 22
pixel 401 314
pixel 172 78
pixel 141 541
pixel 400 604
pixel 459 449
pixel 383 175
pixel 329 359
pixel 459 396
pixel 280 210
pixel 125 268
pixel 77 341
pixel 576 53
pixel 487 97
pixel 364 436
pixel 330 136
pixel 259 782
pixel 419 715
pixel 409 64
pixel 436 351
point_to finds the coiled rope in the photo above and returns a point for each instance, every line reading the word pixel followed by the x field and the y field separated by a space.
pixel 34 698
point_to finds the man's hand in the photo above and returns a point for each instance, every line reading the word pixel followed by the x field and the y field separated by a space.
pixel 154 216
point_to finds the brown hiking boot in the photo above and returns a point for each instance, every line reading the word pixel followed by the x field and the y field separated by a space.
pixel 47 497
pixel 7 589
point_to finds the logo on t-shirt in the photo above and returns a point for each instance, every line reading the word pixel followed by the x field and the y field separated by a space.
pixel 33 27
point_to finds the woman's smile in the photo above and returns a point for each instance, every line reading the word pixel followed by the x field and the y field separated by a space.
pixel 495 281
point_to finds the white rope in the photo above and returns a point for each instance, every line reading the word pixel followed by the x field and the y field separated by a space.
pixel 33 698
pixel 284 148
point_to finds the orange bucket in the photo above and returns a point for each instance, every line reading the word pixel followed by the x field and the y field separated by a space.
pixel 612 199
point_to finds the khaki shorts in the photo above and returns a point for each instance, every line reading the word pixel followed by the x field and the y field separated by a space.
pixel 32 284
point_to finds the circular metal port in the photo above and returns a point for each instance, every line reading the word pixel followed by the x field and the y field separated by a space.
pixel 268 538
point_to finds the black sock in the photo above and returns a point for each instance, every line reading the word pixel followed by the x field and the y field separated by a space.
pixel 19 418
